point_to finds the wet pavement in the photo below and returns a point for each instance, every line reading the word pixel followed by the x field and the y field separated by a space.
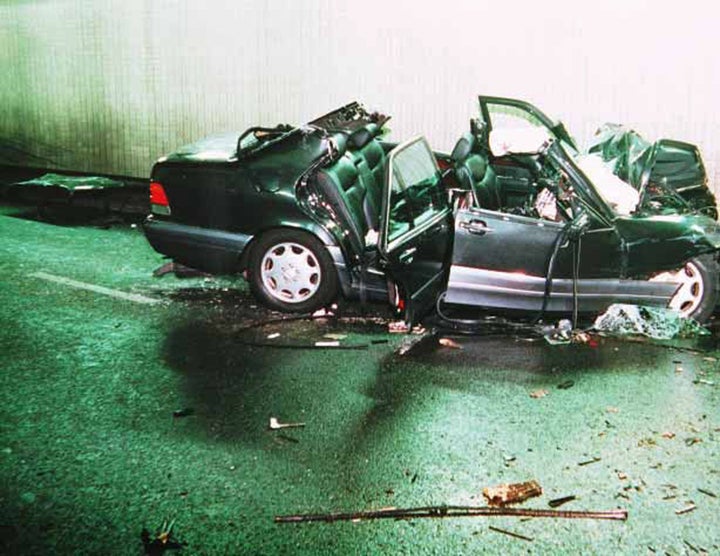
pixel 118 414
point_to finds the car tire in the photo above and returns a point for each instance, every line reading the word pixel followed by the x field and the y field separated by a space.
pixel 291 271
pixel 698 292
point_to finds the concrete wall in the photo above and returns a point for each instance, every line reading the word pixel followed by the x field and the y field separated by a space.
pixel 108 86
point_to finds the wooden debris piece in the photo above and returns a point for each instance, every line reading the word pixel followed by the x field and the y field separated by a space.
pixel 511 493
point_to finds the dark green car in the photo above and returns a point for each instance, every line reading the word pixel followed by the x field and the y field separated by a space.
pixel 312 212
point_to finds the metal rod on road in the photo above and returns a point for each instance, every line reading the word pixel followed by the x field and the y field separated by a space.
pixel 452 511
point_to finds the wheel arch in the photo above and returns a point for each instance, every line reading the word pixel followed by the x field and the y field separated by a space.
pixel 321 234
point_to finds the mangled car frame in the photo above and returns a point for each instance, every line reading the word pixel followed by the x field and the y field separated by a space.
pixel 515 218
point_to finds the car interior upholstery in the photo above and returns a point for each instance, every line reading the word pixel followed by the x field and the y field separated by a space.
pixel 475 174
pixel 353 183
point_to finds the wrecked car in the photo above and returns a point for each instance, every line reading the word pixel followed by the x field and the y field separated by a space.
pixel 514 218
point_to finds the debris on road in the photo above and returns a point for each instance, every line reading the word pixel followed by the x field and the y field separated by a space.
pixel 556 502
pixel 73 183
pixel 511 493
pixel 326 311
pixel 277 425
pixel 181 271
pixel 510 533
pixel 539 394
pixel 162 540
pixel 412 342
pixel 656 323
pixel 398 327
pixel 449 343
pixel 560 334
pixel 451 511
pixel 687 509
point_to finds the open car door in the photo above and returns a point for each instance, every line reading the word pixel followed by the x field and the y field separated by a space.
pixel 416 227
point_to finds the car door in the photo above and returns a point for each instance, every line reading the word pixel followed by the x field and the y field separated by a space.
pixel 416 227
pixel 507 121
pixel 508 261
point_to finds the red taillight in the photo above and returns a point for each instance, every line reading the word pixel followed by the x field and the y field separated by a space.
pixel 158 199
pixel 157 194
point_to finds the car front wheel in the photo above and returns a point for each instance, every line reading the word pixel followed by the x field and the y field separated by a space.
pixel 291 271
pixel 697 293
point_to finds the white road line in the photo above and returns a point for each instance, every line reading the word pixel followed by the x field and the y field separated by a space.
pixel 93 288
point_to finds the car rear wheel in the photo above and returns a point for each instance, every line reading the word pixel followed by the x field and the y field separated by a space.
pixel 697 293
pixel 292 271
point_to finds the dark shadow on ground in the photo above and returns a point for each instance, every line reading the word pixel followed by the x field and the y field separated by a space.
pixel 234 383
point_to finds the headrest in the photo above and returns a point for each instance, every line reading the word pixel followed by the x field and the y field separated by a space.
pixel 463 147
pixel 361 137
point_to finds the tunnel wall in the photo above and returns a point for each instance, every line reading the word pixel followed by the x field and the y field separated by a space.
pixel 110 86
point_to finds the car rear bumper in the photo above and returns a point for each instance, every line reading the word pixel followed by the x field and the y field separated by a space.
pixel 214 251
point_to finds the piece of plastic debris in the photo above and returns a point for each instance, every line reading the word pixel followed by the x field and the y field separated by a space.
pixel 325 312
pixel 185 412
pixel 567 384
pixel 449 343
pixel 622 476
pixel 273 335
pixel 669 435
pixel 656 323
pixel 612 410
pixel 327 344
pixel 560 334
pixel 398 327
pixel 556 502
pixel 510 533
pixel 277 425
pixel 539 394
pixel 162 540
pixel 511 493
pixel 689 508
